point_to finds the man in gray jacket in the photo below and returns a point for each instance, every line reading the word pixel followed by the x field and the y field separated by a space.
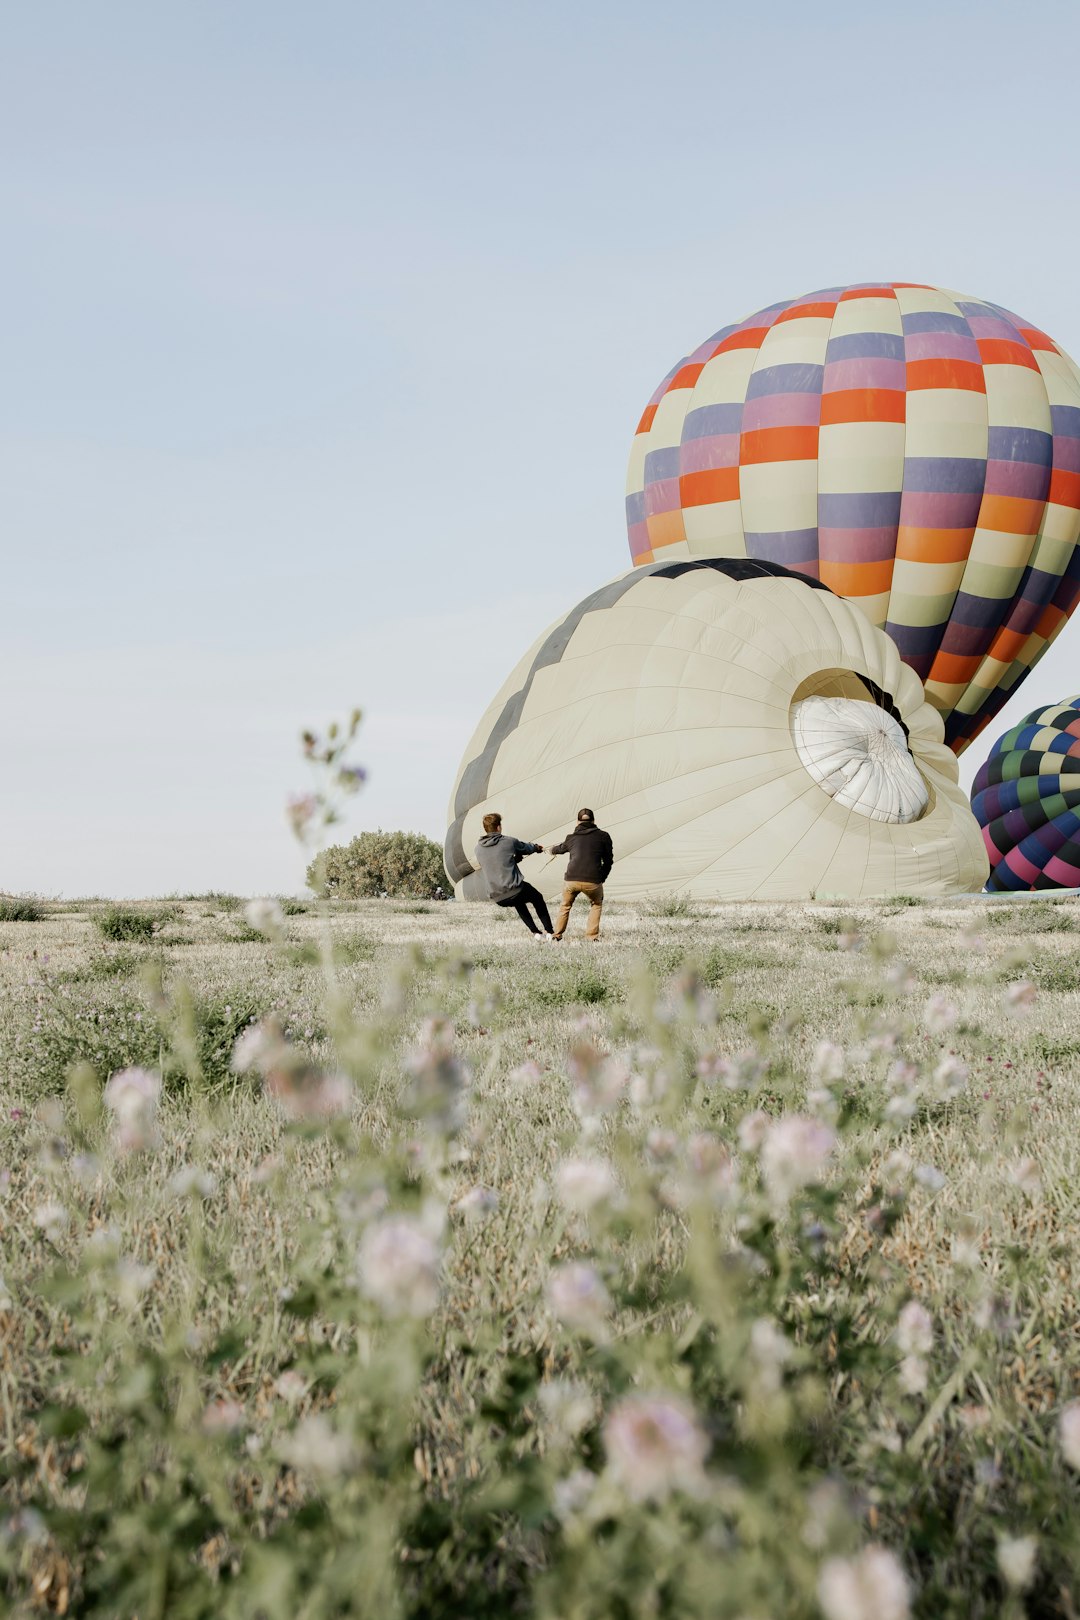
pixel 497 857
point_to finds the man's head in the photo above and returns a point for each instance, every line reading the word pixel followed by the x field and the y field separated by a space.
pixel 492 823
pixel 586 816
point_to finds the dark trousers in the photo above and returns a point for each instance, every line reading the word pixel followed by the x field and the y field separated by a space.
pixel 528 896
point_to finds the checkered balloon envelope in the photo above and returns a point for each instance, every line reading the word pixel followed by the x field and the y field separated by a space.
pixel 916 450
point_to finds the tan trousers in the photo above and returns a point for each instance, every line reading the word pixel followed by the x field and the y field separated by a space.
pixel 594 893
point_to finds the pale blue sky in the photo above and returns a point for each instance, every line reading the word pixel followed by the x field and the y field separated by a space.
pixel 327 328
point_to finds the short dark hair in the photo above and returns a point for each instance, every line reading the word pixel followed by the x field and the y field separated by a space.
pixel 492 822
pixel 585 815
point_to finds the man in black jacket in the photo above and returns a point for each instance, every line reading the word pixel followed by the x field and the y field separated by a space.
pixel 589 848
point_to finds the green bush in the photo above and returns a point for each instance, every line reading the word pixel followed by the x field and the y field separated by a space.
pixel 673 905
pixel 95 1018
pixel 105 1024
pixel 20 908
pixel 121 923
pixel 106 964
pixel 398 865
pixel 1060 973
pixel 348 950
pixel 1032 917
pixel 582 986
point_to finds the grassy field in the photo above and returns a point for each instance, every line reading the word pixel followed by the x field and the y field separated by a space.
pixel 724 1268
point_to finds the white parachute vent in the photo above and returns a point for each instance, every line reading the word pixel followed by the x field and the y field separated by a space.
pixel 859 755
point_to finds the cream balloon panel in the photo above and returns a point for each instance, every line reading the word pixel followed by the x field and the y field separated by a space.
pixel 668 709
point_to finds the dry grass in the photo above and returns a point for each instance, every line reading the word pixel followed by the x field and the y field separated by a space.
pixel 788 977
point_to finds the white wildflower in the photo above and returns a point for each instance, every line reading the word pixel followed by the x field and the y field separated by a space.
pixel 309 1094
pixel 192 1178
pixel 965 1249
pixel 398 1266
pixel 290 1385
pixel 86 1168
pixel 794 1153
pixel 871 1586
pixel 885 1038
pixel 771 1350
pixel 477 1204
pixel 570 1495
pixel 264 916
pixel 598 1082
pixel 1024 1173
pixel 744 1072
pixel 827 1063
pixel 828 1508
pixel 132 1281
pixel 52 1219
pixel 222 1416
pixel 711 1168
pixel 655 1446
pixel 259 1049
pixel 568 1406
pixel 901 978
pixel 823 1103
pixel 25 1525
pixel 940 1014
pixel 930 1177
pixel 103 1244
pixel 950 1078
pixel 356 1207
pixel 578 1299
pixel 316 1447
pixel 1069 1434
pixel 902 1075
pixel 1019 998
pixel 915 1329
pixel 439 1079
pixel 132 1097
pixel 896 1168
pixel 647 1087
pixel 301 810
pixel 1016 1558
pixel 913 1375
pixel 661 1146
pixel 752 1129
pixel 902 1105
pixel 582 1184
pixel 6 1301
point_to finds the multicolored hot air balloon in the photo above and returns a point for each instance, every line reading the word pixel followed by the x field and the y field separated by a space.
pixel 916 450
pixel 740 731
pixel 1026 798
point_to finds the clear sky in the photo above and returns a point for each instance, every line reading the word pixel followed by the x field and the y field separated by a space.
pixel 327 327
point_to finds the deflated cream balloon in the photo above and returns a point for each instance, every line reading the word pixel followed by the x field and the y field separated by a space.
pixel 741 733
